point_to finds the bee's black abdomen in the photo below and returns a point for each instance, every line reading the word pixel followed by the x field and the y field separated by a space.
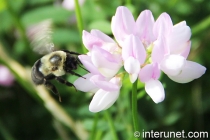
pixel 36 75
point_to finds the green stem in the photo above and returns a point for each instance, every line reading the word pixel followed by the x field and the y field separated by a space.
pixel 201 26
pixel 18 23
pixel 21 30
pixel 5 133
pixel 93 133
pixel 79 21
pixel 111 125
pixel 128 2
pixel 134 106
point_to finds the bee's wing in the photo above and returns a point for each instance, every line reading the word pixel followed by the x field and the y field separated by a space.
pixel 40 36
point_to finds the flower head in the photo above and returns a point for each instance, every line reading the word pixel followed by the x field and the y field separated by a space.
pixel 144 47
pixel 167 47
pixel 69 4
pixel 103 61
pixel 6 78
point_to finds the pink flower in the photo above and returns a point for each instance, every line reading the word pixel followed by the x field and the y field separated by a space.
pixel 69 4
pixel 146 47
pixel 172 48
pixel 135 38
pixel 104 53
pixel 6 78
pixel 167 47
pixel 103 61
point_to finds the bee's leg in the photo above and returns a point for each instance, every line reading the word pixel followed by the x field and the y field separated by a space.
pixel 52 88
pixel 73 73
pixel 83 68
pixel 62 81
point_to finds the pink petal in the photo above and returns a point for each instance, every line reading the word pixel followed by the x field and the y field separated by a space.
pixel 145 73
pixel 150 71
pixel 155 90
pixel 85 85
pixel 180 35
pixel 159 50
pixel 163 25
pixel 123 23
pixel 105 62
pixel 86 61
pixel 90 40
pixel 186 51
pixel 103 83
pixel 103 100
pixel 190 71
pixel 102 36
pixel 133 47
pixel 172 64
pixel 144 27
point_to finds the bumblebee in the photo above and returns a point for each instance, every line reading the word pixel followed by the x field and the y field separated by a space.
pixel 54 64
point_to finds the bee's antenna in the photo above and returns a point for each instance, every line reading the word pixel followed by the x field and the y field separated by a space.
pixel 83 68
pixel 80 63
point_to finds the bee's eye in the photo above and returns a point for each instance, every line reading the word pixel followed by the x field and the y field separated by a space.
pixel 55 59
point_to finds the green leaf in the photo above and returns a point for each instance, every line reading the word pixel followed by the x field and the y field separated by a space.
pixel 101 25
pixel 57 14
pixel 7 23
pixel 35 2
pixel 171 118
pixel 2 5
pixel 64 36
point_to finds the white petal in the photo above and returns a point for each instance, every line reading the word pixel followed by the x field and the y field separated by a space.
pixel 85 85
pixel 190 71
pixel 133 77
pixel 179 36
pixel 172 64
pixel 155 90
pixel 103 100
pixel 108 72
pixel 132 65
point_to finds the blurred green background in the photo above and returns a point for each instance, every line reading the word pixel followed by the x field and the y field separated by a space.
pixel 27 112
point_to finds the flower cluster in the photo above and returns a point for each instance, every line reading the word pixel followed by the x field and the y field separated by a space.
pixel 6 78
pixel 144 47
